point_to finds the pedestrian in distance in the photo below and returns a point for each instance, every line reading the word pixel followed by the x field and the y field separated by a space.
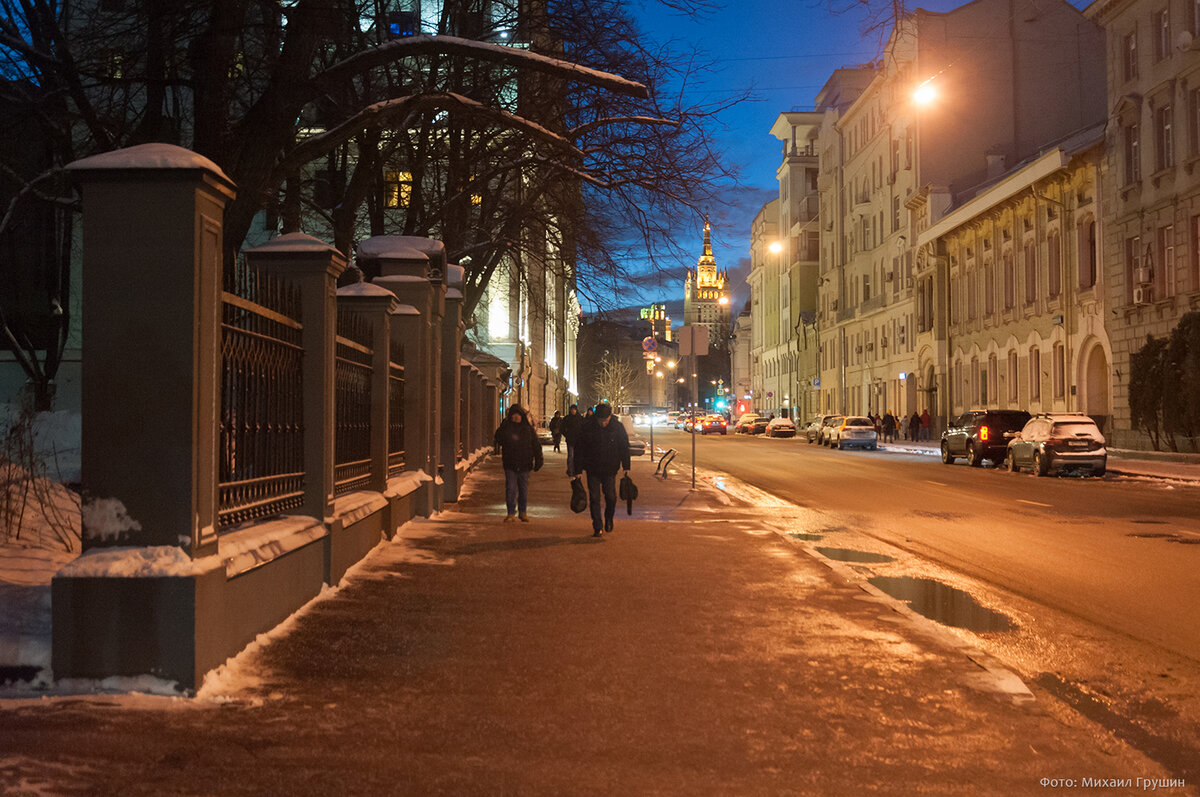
pixel 601 450
pixel 904 427
pixel 570 431
pixel 926 422
pixel 521 453
pixel 889 427
pixel 914 427
pixel 555 427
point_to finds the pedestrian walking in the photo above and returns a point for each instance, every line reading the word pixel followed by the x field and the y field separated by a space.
pixel 555 427
pixel 570 432
pixel 926 421
pixel 521 453
pixel 889 427
pixel 602 449
pixel 904 427
pixel 914 427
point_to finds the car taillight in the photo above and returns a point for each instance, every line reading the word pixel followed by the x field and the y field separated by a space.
pixel 984 433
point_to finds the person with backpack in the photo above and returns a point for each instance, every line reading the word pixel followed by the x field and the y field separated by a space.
pixel 601 450
pixel 520 452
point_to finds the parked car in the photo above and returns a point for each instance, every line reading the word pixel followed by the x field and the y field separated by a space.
pixel 781 427
pixel 827 428
pixel 716 424
pixel 745 422
pixel 681 421
pixel 855 431
pixel 1058 443
pixel 812 431
pixel 760 425
pixel 980 434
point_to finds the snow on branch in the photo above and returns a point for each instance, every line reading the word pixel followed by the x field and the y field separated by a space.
pixel 587 127
pixel 382 113
pixel 503 54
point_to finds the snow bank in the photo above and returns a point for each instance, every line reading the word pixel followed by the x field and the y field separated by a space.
pixel 153 561
pixel 107 518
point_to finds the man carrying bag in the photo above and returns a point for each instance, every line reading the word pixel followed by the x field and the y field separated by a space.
pixel 601 450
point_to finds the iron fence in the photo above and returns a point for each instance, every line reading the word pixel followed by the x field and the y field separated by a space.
pixel 352 399
pixel 396 458
pixel 261 456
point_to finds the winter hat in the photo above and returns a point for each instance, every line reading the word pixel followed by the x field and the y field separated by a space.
pixel 603 411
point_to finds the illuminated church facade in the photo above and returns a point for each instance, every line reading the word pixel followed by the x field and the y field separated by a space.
pixel 706 294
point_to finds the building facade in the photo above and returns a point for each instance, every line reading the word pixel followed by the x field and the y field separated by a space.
pixel 706 293
pixel 957 98
pixel 1150 186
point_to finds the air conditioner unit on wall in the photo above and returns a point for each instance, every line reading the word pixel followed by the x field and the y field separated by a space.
pixel 1142 276
pixel 1141 295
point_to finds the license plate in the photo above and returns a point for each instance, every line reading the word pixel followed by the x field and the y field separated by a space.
pixel 1077 443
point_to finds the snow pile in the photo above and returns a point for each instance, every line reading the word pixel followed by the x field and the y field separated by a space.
pixel 153 561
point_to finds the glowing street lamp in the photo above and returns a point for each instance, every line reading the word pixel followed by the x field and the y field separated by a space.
pixel 925 94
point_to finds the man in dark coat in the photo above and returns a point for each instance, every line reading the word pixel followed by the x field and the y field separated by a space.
pixel 555 427
pixel 520 452
pixel 601 450
pixel 570 432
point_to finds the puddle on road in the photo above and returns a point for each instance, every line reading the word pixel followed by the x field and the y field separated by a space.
pixel 849 555
pixel 942 603
pixel 806 537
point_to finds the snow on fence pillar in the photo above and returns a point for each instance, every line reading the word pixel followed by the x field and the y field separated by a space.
pixel 313 266
pixel 375 303
pixel 404 270
pixel 451 383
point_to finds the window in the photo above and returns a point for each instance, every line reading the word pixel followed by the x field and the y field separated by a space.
pixel 1087 253
pixel 1133 154
pixel 993 369
pixel 989 290
pixel 1133 264
pixel 397 189
pixel 1035 374
pixel 1164 135
pixel 1054 264
pixel 983 387
pixel 1193 121
pixel 1162 34
pixel 1060 371
pixel 1129 49
pixel 972 291
pixel 895 214
pixel 1012 376
pixel 1010 281
pixel 1031 280
pixel 1195 26
pixel 1194 281
pixel 1164 274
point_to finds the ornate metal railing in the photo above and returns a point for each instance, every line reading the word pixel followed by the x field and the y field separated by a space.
pixel 396 461
pixel 261 456
pixel 352 399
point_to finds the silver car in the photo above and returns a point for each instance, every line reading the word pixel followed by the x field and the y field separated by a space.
pixel 1058 443
pixel 855 431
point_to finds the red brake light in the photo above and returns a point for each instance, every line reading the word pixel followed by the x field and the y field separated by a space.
pixel 984 432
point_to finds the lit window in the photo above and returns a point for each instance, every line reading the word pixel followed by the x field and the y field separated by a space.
pixel 397 189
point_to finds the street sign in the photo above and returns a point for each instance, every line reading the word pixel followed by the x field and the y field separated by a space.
pixel 693 340
pixel 816 381
pixel 649 343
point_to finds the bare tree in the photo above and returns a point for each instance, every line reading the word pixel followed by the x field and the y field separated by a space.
pixel 614 380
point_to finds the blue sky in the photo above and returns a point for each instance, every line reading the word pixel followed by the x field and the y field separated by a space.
pixel 784 51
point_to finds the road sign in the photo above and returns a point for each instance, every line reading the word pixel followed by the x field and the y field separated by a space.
pixel 649 344
pixel 693 340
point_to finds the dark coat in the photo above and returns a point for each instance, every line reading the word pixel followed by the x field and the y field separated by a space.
pixel 602 450
pixel 571 423
pixel 555 425
pixel 518 445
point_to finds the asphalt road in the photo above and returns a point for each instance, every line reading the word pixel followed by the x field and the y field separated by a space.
pixel 1122 554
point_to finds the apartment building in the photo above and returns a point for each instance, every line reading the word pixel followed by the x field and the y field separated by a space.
pixel 1150 186
pixel 956 99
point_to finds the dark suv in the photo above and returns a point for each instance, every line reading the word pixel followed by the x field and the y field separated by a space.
pixel 979 435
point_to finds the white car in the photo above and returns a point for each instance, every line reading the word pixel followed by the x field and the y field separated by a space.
pixel 855 431
pixel 781 427
pixel 812 432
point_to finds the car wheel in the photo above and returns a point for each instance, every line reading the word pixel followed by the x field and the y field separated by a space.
pixel 1039 464
pixel 1098 472
pixel 947 457
pixel 1010 463
pixel 973 458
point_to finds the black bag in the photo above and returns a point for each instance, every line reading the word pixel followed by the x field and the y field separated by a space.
pixel 579 496
pixel 627 492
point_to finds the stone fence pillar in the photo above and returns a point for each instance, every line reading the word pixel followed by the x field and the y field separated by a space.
pixel 451 382
pixel 375 303
pixel 151 319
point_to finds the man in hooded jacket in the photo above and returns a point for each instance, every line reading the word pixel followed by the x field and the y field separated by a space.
pixel 601 450
pixel 520 452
